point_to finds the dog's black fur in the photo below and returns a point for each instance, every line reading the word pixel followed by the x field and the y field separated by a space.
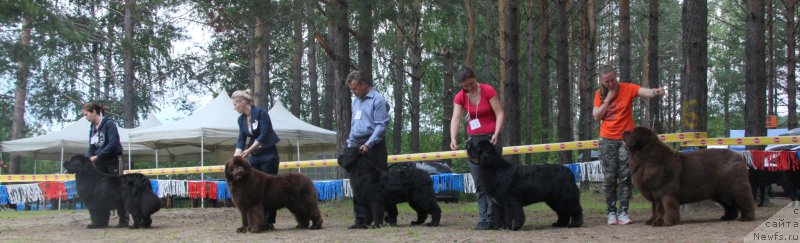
pixel 761 179
pixel 512 187
pixel 380 191
pixel 98 191
pixel 140 200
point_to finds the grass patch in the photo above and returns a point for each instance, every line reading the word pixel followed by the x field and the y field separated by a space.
pixel 14 214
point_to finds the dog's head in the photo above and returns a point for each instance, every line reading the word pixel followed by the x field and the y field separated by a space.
pixel 349 158
pixel 135 181
pixel 77 163
pixel 237 168
pixel 483 153
pixel 639 137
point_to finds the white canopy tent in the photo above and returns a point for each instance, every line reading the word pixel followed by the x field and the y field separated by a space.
pixel 214 126
pixel 74 139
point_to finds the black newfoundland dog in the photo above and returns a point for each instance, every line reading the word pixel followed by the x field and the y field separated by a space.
pixel 140 200
pixel 102 193
pixel 380 191
pixel 512 187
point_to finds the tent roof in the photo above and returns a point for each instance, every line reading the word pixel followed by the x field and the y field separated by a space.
pixel 74 138
pixel 215 125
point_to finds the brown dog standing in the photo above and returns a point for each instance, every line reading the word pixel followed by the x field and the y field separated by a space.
pixel 668 178
pixel 254 191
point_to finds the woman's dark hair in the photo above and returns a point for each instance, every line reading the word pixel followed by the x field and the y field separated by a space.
pixel 605 69
pixel 464 74
pixel 97 108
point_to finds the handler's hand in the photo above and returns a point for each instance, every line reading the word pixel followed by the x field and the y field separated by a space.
pixel 453 144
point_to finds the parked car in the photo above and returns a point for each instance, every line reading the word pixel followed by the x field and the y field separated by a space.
pixel 432 168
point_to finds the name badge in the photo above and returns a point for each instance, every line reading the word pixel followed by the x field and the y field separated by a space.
pixel 94 139
pixel 474 124
pixel 255 125
pixel 358 115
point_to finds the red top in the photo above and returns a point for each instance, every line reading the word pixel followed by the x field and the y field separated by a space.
pixel 483 111
pixel 619 114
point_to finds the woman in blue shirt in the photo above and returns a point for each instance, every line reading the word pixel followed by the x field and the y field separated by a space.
pixel 261 150
pixel 104 145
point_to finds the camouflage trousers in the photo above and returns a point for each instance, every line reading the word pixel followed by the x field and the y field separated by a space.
pixel 617 184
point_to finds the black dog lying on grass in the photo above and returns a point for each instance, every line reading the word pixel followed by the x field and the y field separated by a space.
pixel 102 193
pixel 513 187
pixel 380 191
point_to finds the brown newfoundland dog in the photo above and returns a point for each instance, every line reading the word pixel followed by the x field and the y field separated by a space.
pixel 668 178
pixel 254 191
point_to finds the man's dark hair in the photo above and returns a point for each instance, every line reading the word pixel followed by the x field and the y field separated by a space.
pixel 356 75
pixel 606 69
pixel 464 74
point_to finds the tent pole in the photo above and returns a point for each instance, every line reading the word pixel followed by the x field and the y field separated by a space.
pixel 61 165
pixel 202 175
pixel 129 152
pixel 297 144
pixel 156 145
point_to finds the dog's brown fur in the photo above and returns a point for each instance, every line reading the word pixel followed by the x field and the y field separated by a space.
pixel 668 178
pixel 254 191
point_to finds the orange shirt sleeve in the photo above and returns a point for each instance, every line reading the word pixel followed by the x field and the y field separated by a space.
pixel 597 102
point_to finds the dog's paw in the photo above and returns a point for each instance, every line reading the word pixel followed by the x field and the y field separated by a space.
pixel 242 229
pixel 658 223
pixel 431 225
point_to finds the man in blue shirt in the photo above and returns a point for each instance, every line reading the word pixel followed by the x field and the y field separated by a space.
pixel 367 130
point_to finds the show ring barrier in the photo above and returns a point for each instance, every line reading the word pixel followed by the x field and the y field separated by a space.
pixel 686 139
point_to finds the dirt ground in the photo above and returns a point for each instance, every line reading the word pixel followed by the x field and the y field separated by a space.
pixel 699 223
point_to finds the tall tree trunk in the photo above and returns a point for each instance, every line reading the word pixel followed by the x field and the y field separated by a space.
pixel 544 74
pixel 527 135
pixel 488 68
pixel 770 58
pixel 341 49
pixel 652 112
pixel 21 93
pixel 501 6
pixel 260 63
pixel 330 82
pixel 98 83
pixel 586 85
pixel 447 96
pixel 791 62
pixel 511 104
pixel 755 72
pixel 416 73
pixel 562 76
pixel 469 10
pixel 128 106
pixel 399 82
pixel 694 90
pixel 313 77
pixel 365 38
pixel 109 65
pixel 624 49
pixel 297 65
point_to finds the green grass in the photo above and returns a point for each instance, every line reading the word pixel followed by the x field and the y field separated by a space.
pixel 14 214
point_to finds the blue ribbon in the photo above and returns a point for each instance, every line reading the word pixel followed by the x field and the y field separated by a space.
pixel 448 182
pixel 329 190
pixel 3 195
pixel 222 190
pixel 71 188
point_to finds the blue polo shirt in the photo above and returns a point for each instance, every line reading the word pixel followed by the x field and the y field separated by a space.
pixel 369 118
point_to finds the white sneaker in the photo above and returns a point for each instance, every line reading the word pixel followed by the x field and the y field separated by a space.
pixel 612 218
pixel 623 218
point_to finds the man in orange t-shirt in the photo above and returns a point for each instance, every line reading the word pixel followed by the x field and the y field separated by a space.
pixel 613 105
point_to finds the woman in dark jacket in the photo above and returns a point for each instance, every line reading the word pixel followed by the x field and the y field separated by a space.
pixel 261 150
pixel 104 145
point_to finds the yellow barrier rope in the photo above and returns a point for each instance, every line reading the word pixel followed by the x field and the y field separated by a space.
pixel 686 139
pixel 744 141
